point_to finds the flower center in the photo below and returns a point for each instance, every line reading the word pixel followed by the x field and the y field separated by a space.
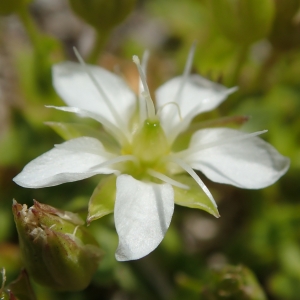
pixel 149 143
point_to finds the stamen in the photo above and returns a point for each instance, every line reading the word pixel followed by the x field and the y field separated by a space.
pixel 187 71
pixel 189 170
pixel 146 93
pixel 142 103
pixel 116 160
pixel 180 127
pixel 113 129
pixel 101 91
pixel 199 147
pixel 167 179
pixel 174 103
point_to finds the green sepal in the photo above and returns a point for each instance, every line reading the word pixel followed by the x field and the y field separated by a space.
pixel 21 287
pixel 72 257
pixel 102 201
pixel 194 197
pixel 70 131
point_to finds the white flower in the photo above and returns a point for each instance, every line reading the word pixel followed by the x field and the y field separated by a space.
pixel 148 175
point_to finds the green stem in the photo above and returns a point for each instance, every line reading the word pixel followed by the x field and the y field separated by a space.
pixel 238 64
pixel 30 27
pixel 41 54
pixel 100 41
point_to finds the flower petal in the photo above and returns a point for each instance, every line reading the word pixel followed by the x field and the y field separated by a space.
pixel 195 96
pixel 75 87
pixel 245 162
pixel 70 161
pixel 143 213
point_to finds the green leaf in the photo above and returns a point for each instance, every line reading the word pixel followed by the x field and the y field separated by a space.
pixel 103 199
pixel 72 130
pixel 194 197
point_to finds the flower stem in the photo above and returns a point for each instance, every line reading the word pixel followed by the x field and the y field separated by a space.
pixel 100 41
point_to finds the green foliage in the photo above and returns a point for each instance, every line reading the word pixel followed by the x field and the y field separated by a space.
pixel 243 21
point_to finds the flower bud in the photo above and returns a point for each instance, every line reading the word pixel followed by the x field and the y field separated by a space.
pixel 236 282
pixel 103 15
pixel 57 251
pixel 243 22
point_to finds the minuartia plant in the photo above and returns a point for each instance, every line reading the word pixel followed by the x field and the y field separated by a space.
pixel 146 171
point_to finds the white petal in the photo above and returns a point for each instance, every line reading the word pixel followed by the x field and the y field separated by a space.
pixel 143 213
pixel 75 87
pixel 196 96
pixel 247 163
pixel 70 161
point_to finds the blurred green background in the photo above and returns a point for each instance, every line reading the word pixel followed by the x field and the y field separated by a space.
pixel 253 250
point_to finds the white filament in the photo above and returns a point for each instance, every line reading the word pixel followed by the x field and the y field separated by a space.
pixel 189 170
pixel 186 73
pixel 174 103
pixel 142 103
pixel 108 125
pixel 176 130
pixel 146 92
pixel 116 116
pixel 167 179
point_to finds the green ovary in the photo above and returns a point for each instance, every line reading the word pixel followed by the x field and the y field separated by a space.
pixel 149 145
